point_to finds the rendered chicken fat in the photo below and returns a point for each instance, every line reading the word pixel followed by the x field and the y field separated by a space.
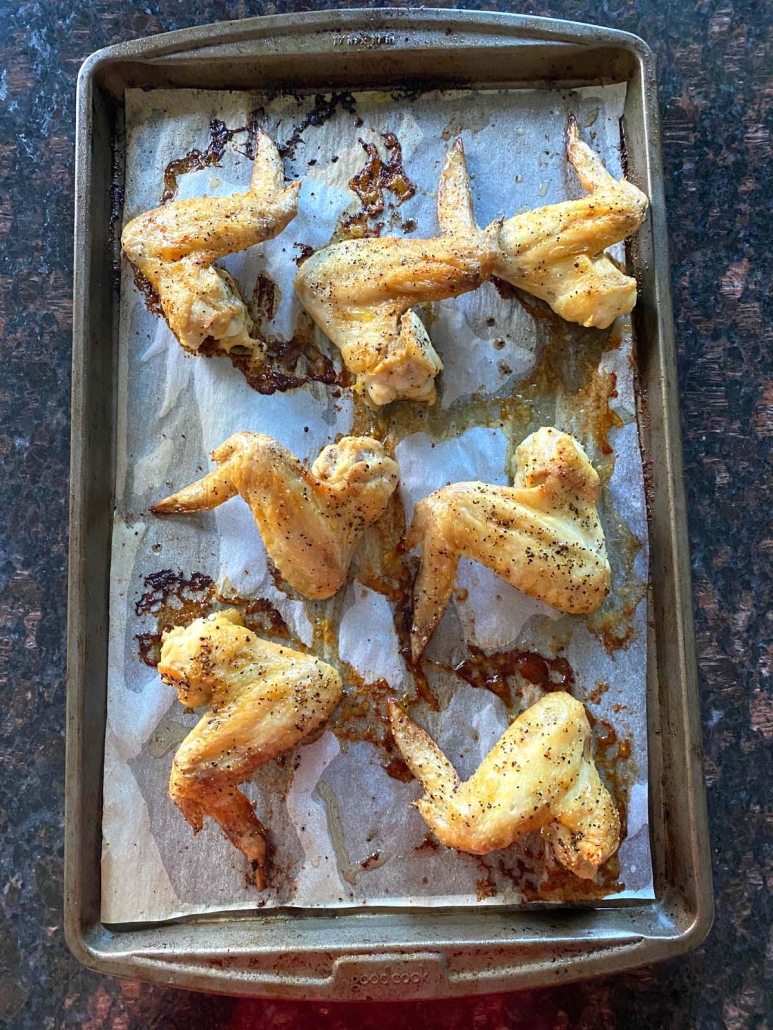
pixel 174 247
pixel 542 534
pixel 263 698
pixel 311 520
pixel 539 774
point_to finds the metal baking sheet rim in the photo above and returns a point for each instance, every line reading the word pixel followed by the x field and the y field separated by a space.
pixel 379 954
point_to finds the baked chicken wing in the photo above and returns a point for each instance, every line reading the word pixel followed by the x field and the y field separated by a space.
pixel 557 252
pixel 263 698
pixel 174 247
pixel 542 534
pixel 360 292
pixel 311 519
pixel 539 774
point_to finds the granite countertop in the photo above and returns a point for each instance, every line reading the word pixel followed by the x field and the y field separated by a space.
pixel 716 97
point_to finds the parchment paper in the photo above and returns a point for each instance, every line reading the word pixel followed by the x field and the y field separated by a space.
pixel 333 807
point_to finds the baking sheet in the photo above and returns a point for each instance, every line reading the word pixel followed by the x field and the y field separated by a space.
pixel 343 828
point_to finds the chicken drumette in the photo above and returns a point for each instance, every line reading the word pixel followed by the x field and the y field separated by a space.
pixel 557 252
pixel 174 247
pixel 539 774
pixel 542 534
pixel 360 292
pixel 311 520
pixel 263 698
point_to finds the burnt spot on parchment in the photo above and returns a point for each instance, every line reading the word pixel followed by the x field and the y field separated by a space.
pixel 212 154
pixel 173 599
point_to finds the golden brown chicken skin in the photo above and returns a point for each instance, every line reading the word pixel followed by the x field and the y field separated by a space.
pixel 557 252
pixel 174 247
pixel 539 774
pixel 360 292
pixel 311 519
pixel 542 534
pixel 263 698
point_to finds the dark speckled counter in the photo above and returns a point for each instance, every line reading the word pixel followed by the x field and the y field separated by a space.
pixel 716 96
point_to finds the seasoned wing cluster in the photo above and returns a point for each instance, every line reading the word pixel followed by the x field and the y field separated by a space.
pixel 361 292
pixel 174 247
pixel 262 698
pixel 542 534
pixel 538 775
pixel 311 519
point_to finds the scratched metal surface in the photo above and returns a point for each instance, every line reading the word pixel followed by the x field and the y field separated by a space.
pixel 716 92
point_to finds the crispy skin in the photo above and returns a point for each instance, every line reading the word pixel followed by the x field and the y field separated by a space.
pixel 557 252
pixel 539 774
pixel 542 534
pixel 360 292
pixel 311 520
pixel 174 247
pixel 263 698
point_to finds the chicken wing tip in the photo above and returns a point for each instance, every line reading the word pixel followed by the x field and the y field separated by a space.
pixel 163 508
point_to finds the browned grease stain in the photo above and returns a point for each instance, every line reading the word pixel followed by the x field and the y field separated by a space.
pixel 379 176
pixel 594 696
pixel 323 110
pixel 362 715
pixel 356 227
pixel 289 364
pixel 151 297
pixel 174 599
pixel 485 886
pixel 370 184
pixel 305 250
pixel 612 755
pixel 265 299
pixel 493 671
pixel 195 160
pixel 594 397
pixel 429 843
pixel 398 770
pixel 560 884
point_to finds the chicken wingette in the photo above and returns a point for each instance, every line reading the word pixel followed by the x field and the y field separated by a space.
pixel 557 252
pixel 539 774
pixel 542 534
pixel 174 247
pixel 360 292
pixel 263 698
pixel 311 519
